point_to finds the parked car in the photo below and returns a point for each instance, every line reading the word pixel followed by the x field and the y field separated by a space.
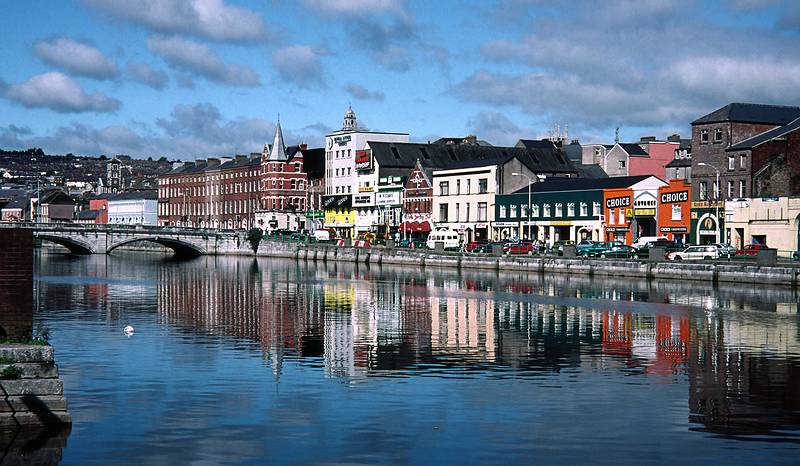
pixel 475 246
pixel 488 247
pixel 558 246
pixel 643 240
pixel 324 235
pixel 519 247
pixel 751 249
pixel 667 245
pixel 620 251
pixel 598 248
pixel 415 243
pixel 725 250
pixel 706 252
pixel 584 247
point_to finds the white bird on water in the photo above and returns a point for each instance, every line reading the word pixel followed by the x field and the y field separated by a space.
pixel 128 330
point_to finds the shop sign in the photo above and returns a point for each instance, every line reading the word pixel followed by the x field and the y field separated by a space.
pixel 617 229
pixel 365 189
pixel 363 160
pixel 341 140
pixel 644 212
pixel 561 223
pixel 389 180
pixel 678 196
pixel 708 227
pixel 628 213
pixel 504 224
pixel 615 202
pixel 336 202
pixel 707 204
pixel 480 225
pixel 363 199
pixel 387 198
pixel 315 214
pixel 673 229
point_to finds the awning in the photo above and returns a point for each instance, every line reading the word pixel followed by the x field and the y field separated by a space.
pixel 415 227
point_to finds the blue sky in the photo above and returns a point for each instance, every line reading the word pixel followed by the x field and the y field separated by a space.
pixel 193 78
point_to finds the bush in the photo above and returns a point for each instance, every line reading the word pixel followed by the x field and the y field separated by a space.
pixel 254 237
pixel 11 372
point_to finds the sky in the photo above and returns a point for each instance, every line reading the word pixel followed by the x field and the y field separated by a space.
pixel 190 79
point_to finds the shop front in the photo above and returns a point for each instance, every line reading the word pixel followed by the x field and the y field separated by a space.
pixel 707 225
pixel 618 207
pixel 390 212
pixel 503 231
pixel 339 214
pixel 674 211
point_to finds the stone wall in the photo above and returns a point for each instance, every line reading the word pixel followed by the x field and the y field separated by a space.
pixel 16 282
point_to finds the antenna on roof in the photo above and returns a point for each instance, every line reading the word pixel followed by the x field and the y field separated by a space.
pixel 616 135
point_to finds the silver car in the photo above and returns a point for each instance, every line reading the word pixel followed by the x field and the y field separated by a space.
pixel 707 252
pixel 725 250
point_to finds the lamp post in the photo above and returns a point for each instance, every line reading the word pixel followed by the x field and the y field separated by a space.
pixel 530 181
pixel 716 200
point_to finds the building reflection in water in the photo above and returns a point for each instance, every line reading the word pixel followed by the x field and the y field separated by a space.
pixel 742 371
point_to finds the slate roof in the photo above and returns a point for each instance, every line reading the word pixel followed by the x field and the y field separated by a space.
pixel 751 113
pixel 591 171
pixel 582 184
pixel 677 163
pixel 150 194
pixel 633 149
pixel 88 214
pixel 766 136
pixel 404 155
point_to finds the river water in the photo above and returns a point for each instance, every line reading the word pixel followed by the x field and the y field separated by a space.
pixel 244 361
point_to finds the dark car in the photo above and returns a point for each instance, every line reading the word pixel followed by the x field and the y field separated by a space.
pixel 519 247
pixel 751 249
pixel 413 243
pixel 667 245
pixel 584 246
pixel 594 248
pixel 620 251
pixel 488 247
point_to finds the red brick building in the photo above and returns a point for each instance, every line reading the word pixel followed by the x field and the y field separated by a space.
pixel 674 210
pixel 417 203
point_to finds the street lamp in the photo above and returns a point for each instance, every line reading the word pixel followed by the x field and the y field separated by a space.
pixel 530 181
pixel 716 200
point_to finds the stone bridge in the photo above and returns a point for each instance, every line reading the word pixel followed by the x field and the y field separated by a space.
pixel 103 239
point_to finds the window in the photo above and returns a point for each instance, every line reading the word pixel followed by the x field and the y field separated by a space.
pixel 584 209
pixel 717 135
pixel 742 188
pixel 293 184
pixel 443 213
pixel 468 186
pixel 730 190
pixel 716 189
pixel 571 209
pixel 502 211
pixel 621 216
pixel 703 191
pixel 535 210
pixel 621 164
pixel 742 160
pixel 444 188
pixel 457 211
pixel 704 136
pixel 483 185
pixel 676 211
pixel 513 211
pixel 466 216
pixel 558 209
pixel 598 151
pixel 481 211
pixel 546 210
pixel 458 187
pixel 596 209
pixel 523 210
pixel 731 162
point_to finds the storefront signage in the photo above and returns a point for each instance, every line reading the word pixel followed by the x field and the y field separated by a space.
pixel 480 225
pixel 615 202
pixel 628 213
pixel 363 160
pixel 362 199
pixel 616 229
pixel 644 212
pixel 387 198
pixel 341 140
pixel 504 224
pixel 315 214
pixel 673 229
pixel 365 189
pixel 560 223
pixel 678 196
pixel 337 202
pixel 389 180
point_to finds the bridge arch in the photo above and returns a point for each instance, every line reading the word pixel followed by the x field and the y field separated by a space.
pixel 75 246
pixel 181 247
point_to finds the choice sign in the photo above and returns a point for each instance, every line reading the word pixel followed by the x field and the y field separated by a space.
pixel 679 196
pixel 615 202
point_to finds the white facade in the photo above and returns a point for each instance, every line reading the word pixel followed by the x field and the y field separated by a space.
pixel 133 212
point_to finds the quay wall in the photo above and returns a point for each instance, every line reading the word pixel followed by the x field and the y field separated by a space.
pixel 718 271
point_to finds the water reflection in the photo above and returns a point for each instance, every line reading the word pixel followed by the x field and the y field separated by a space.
pixel 730 354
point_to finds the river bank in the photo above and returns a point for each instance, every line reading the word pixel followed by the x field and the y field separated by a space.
pixel 717 271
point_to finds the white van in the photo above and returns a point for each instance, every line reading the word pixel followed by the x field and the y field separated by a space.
pixel 647 239
pixel 322 235
pixel 448 237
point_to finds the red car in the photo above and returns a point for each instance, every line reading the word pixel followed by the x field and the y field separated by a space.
pixel 475 246
pixel 521 247
pixel 751 250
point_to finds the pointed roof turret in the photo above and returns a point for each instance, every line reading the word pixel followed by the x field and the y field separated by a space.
pixel 349 119
pixel 278 152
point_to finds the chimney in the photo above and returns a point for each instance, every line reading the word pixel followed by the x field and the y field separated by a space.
pixel 674 138
pixel 303 146
pixel 647 139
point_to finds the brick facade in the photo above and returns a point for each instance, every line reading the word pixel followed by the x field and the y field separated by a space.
pixel 16 282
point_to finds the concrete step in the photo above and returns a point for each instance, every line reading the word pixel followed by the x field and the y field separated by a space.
pixel 35 370
pixel 26 353
pixel 32 403
pixel 39 387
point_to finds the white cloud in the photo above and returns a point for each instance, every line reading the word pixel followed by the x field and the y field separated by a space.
pixel 76 57
pixel 300 65
pixel 60 93
pixel 198 58
pixel 360 92
pixel 147 75
pixel 210 19
pixel 358 7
